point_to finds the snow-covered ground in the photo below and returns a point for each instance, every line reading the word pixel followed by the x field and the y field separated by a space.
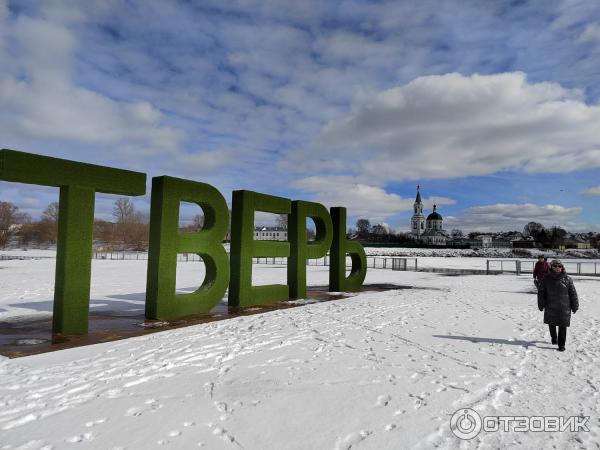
pixel 376 370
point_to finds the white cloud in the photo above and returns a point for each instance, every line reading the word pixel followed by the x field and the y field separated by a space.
pixel 40 100
pixel 591 33
pixel 592 191
pixel 361 200
pixel 352 47
pixel 63 111
pixel 454 126
pixel 203 162
pixel 507 217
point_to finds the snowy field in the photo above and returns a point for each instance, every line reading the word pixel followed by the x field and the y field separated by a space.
pixel 376 370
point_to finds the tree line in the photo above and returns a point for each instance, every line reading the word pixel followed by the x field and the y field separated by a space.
pixel 542 237
pixel 128 231
pixel 555 236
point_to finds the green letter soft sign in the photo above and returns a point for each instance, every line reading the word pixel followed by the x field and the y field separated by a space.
pixel 301 250
pixel 78 183
pixel 166 241
pixel 340 247
pixel 244 247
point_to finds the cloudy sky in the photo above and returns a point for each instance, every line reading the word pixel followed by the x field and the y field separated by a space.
pixel 493 107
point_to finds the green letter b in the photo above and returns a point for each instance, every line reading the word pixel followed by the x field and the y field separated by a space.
pixel 339 249
pixel 166 242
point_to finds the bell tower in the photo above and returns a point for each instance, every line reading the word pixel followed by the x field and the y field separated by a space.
pixel 417 221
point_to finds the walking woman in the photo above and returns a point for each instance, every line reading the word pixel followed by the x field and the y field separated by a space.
pixel 557 297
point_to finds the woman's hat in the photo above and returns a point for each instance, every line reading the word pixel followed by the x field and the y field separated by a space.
pixel 556 262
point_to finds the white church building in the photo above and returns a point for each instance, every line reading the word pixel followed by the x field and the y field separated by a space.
pixel 427 230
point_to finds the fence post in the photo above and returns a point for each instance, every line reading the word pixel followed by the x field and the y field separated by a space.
pixel 487 267
pixel 518 267
pixel 578 268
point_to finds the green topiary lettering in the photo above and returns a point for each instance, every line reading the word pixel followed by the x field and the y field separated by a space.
pixel 301 250
pixel 78 183
pixel 166 242
pixel 244 247
pixel 340 247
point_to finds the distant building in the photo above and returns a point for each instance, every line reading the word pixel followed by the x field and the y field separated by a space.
pixel 481 241
pixel 501 243
pixel 430 230
pixel 577 241
pixel 524 243
pixel 270 234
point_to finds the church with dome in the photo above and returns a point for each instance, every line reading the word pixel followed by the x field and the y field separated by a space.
pixel 427 230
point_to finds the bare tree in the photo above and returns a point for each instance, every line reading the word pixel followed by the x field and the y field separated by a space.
pixel 378 230
pixel 123 210
pixel 10 218
pixel 533 229
pixel 137 232
pixel 105 232
pixel 51 213
pixel 131 227
pixel 48 226
pixel 29 233
pixel 557 236
pixel 363 226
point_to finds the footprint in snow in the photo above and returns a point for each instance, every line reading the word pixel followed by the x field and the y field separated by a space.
pixel 95 422
pixel 351 440
pixel 114 393
pixel 223 434
pixel 383 400
pixel 151 405
pixel 84 437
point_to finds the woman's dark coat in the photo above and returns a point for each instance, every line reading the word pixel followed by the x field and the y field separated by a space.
pixel 557 297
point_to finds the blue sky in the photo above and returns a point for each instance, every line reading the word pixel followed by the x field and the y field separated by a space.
pixel 491 106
